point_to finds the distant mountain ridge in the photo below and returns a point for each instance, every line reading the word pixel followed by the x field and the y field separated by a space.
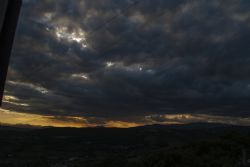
pixel 197 125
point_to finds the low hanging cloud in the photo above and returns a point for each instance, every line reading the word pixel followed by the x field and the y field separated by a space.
pixel 122 60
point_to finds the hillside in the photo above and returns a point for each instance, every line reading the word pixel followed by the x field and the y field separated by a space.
pixel 154 145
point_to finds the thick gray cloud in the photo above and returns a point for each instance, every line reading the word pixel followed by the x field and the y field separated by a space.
pixel 125 59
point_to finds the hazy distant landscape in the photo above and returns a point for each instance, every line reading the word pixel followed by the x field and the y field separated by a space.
pixel 193 145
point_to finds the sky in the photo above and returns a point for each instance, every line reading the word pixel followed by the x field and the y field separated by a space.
pixel 127 63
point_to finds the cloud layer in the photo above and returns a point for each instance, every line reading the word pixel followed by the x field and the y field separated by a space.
pixel 125 60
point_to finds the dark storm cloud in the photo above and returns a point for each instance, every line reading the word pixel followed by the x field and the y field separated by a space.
pixel 142 57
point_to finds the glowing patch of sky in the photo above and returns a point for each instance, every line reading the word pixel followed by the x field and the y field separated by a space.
pixel 16 118
pixel 122 66
pixel 81 76
pixel 14 101
pixel 190 118
pixel 77 35
pixel 37 88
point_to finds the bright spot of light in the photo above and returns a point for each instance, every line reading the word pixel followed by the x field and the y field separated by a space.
pixel 123 66
pixel 81 75
pixel 109 64
pixel 76 35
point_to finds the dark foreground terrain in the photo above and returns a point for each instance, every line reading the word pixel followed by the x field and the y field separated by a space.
pixel 194 145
